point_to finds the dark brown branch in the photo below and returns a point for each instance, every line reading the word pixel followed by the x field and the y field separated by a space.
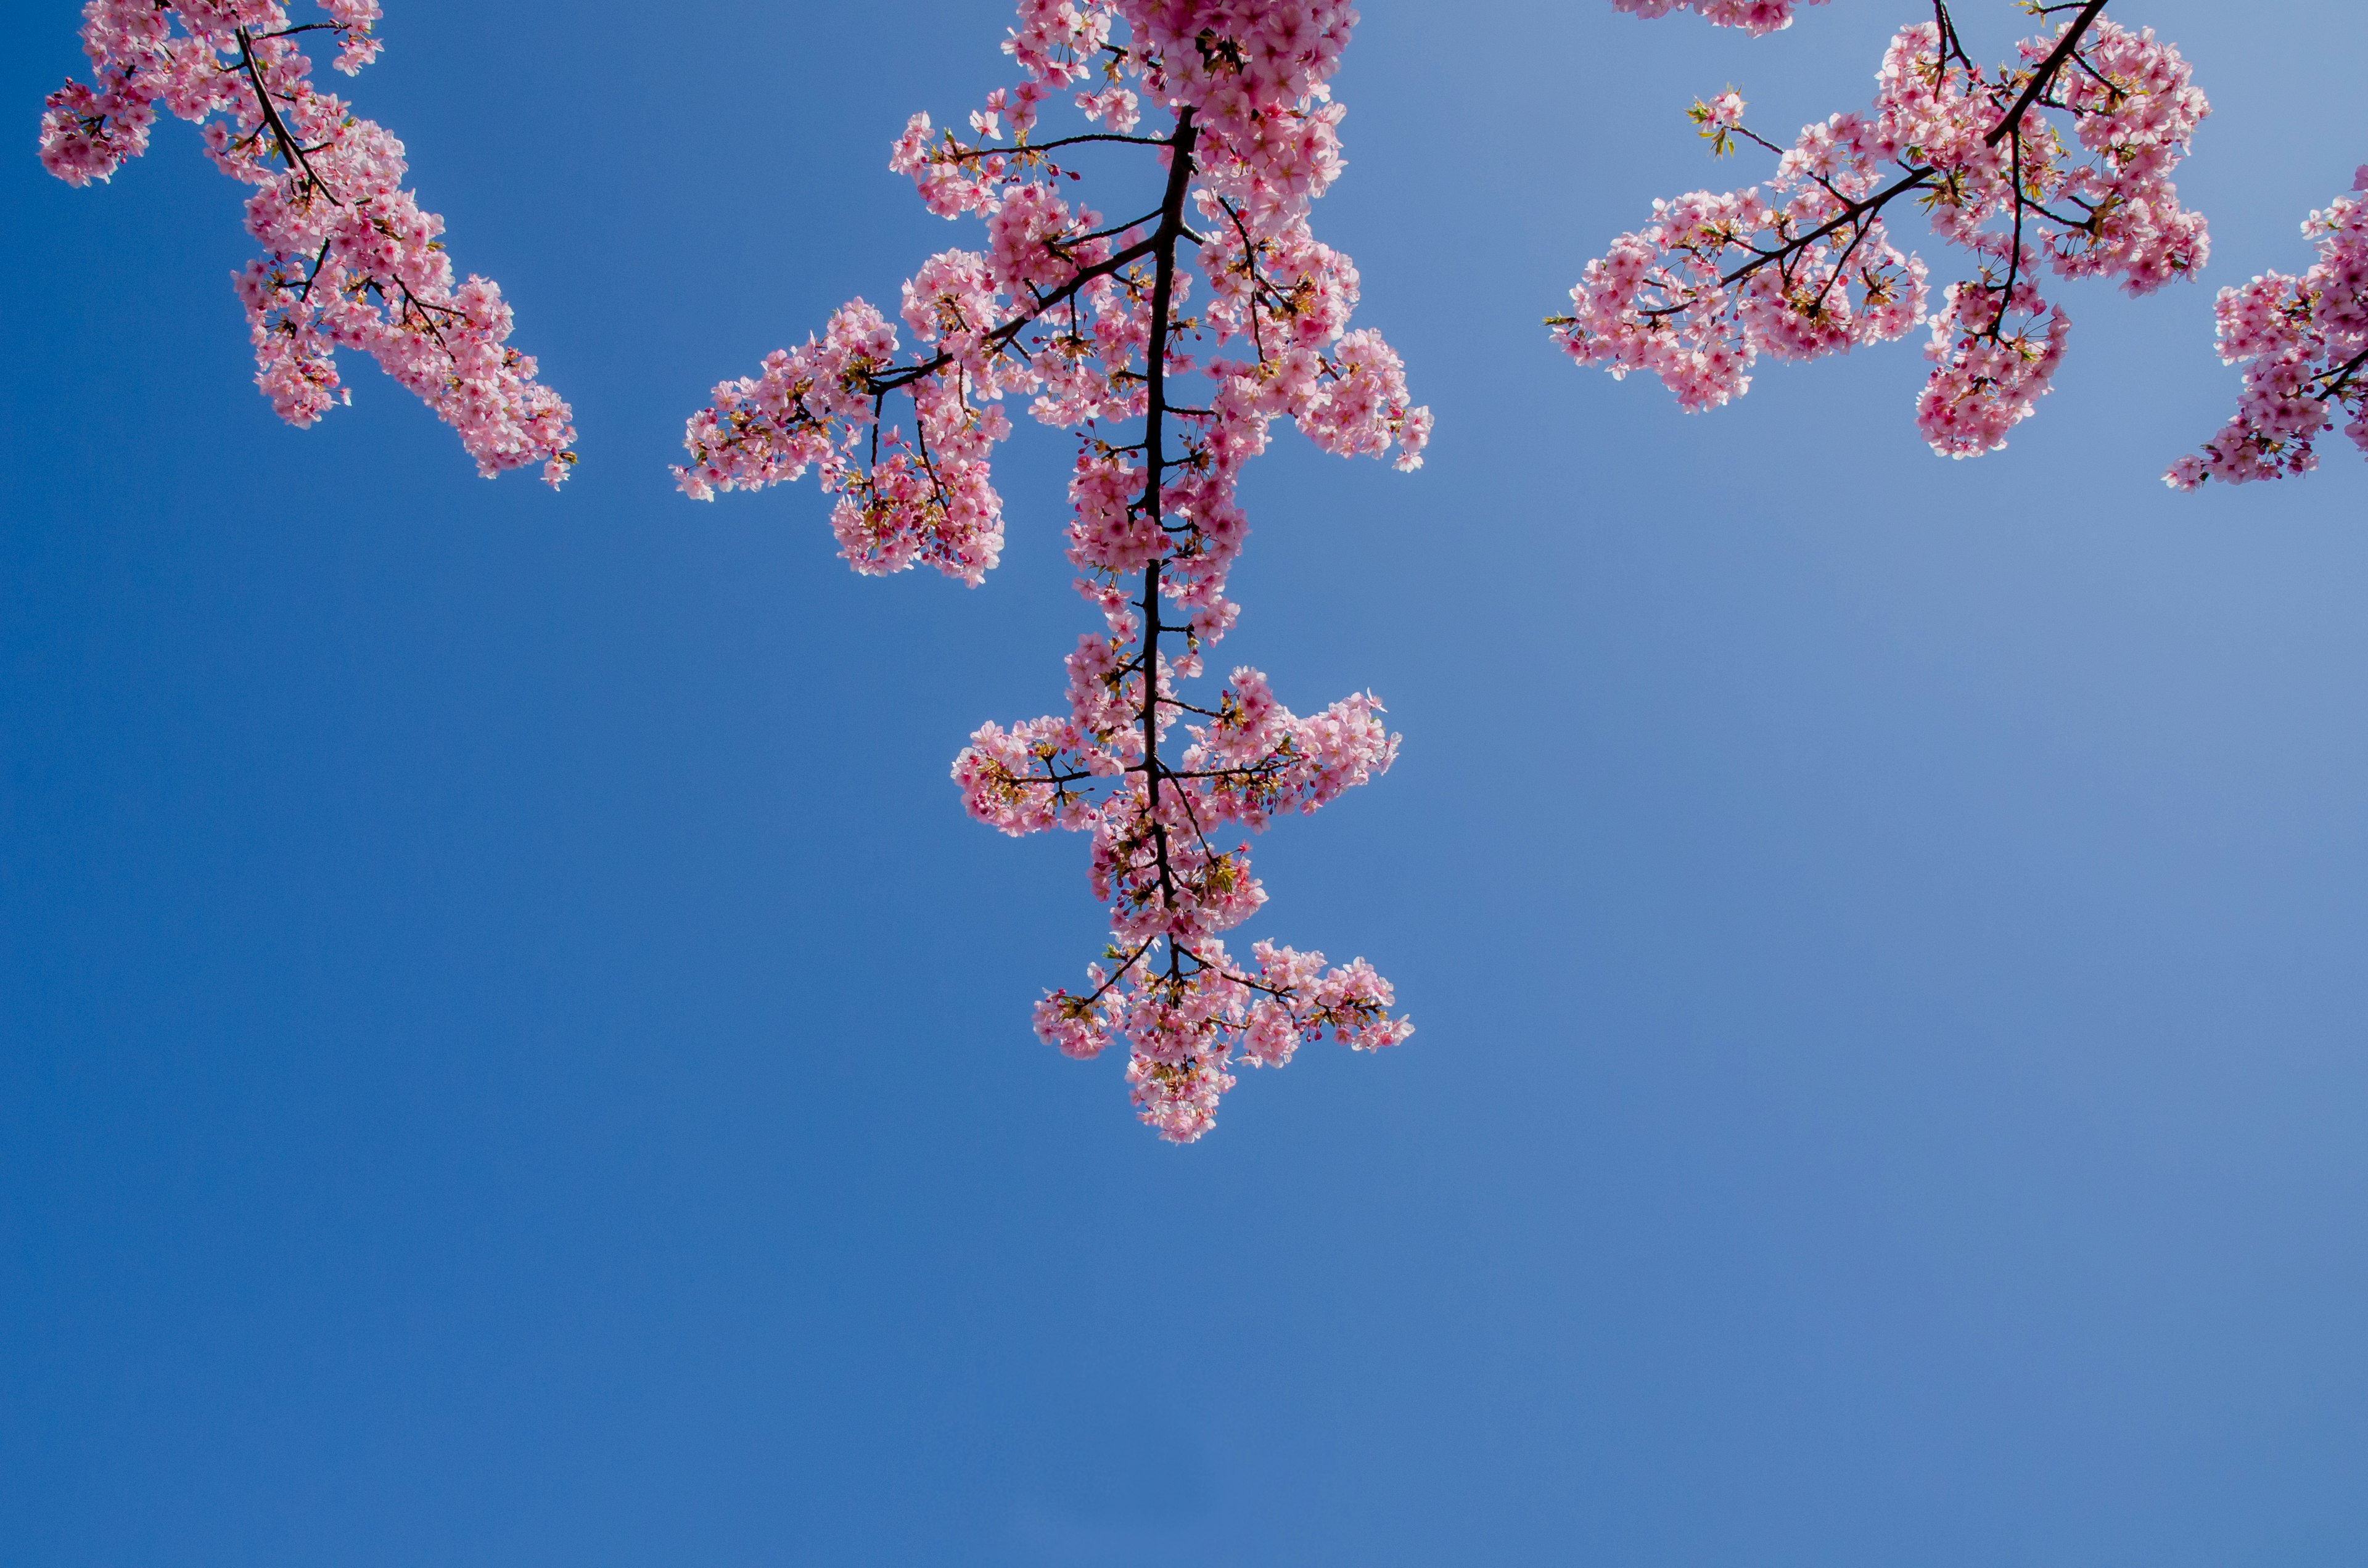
pixel 1117 974
pixel 1020 149
pixel 2046 71
pixel 1866 208
pixel 1162 291
pixel 290 149
pixel 2342 378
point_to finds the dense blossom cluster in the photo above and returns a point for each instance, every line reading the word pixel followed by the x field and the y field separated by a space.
pixel 1756 16
pixel 1805 265
pixel 351 260
pixel 2303 344
pixel 1094 323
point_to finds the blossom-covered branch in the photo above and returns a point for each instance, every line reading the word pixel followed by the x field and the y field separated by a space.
pixel 2303 344
pixel 1090 321
pixel 1807 267
pixel 351 260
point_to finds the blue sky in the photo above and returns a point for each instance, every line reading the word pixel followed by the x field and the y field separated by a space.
pixel 511 1055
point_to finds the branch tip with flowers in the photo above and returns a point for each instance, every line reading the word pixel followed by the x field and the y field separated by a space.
pixel 350 260
pixel 2303 344
pixel 1809 269
pixel 1089 320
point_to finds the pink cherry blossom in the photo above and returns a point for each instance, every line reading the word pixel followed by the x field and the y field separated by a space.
pixel 2059 161
pixel 1096 324
pixel 2303 344
pixel 1756 16
pixel 350 260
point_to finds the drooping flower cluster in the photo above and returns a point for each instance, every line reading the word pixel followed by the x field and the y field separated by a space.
pixel 2303 344
pixel 351 260
pixel 1092 323
pixel 1756 16
pixel 1805 265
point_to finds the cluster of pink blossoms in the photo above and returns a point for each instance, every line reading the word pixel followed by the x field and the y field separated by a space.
pixel 1756 15
pixel 351 260
pixel 1093 322
pixel 1805 267
pixel 2303 344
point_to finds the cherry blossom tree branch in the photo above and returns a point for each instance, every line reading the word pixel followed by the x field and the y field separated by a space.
pixel 1093 324
pixel 1806 267
pixel 362 267
pixel 2304 343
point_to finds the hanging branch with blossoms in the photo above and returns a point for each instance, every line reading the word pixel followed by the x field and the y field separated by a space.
pixel 2059 161
pixel 2303 344
pixel 1091 319
pixel 351 260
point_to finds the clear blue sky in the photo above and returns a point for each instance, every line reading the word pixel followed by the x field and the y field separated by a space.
pixel 510 1054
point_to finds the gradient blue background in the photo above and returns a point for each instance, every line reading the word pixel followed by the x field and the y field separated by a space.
pixel 511 1055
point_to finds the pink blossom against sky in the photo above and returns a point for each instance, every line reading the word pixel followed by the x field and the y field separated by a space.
pixel 1808 264
pixel 1092 327
pixel 350 260
pixel 513 1050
